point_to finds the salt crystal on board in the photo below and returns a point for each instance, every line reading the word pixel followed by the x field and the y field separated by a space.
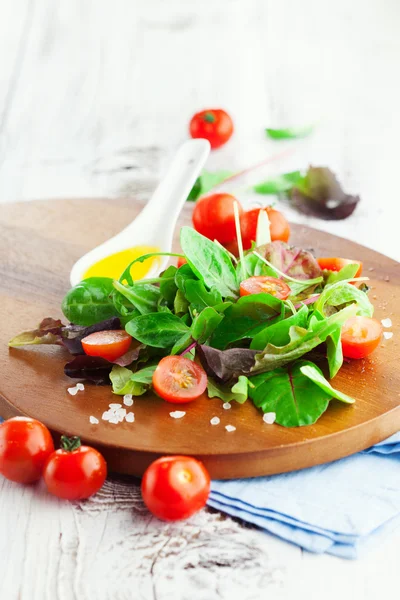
pixel 226 405
pixel 215 421
pixel 115 405
pixel 269 418
pixel 230 428
pixel 93 420
pixel 73 391
pixel 387 335
pixel 177 414
pixel 128 401
pixel 386 322
pixel 106 415
pixel 130 417
pixel 80 386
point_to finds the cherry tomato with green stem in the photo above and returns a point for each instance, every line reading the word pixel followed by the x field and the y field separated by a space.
pixel 214 125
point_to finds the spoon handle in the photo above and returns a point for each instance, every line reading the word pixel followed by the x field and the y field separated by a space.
pixel 173 190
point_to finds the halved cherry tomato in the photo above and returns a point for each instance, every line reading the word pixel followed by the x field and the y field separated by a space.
pixel 260 284
pixel 178 379
pixel 279 227
pixel 213 217
pixel 336 264
pixel 25 446
pixel 74 472
pixel 107 344
pixel 181 261
pixel 175 487
pixel 214 125
pixel 360 336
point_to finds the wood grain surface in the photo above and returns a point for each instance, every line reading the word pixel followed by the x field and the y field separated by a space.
pixel 42 240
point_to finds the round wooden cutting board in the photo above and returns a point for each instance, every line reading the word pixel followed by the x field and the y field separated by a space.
pixel 40 241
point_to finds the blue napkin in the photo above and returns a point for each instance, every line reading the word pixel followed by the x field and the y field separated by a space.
pixel 340 507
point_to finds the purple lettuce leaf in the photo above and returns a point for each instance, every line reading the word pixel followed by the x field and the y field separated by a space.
pixel 226 365
pixel 320 194
pixel 91 368
pixel 295 262
pixel 47 332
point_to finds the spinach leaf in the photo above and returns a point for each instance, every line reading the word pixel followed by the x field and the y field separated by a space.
pixel 160 330
pixel 253 266
pixel 315 374
pixel 246 318
pixel 278 334
pixel 144 375
pixel 278 184
pixel 226 365
pixel 91 368
pixel 210 262
pixel 320 194
pixel 237 393
pixel 290 133
pixel 121 380
pixel 168 287
pixel 342 293
pixel 347 272
pixel 291 394
pixel 143 296
pixel 205 324
pixel 47 332
pixel 334 351
pixel 182 276
pixel 126 275
pixel 181 305
pixel 301 341
pixel 206 182
pixel 183 342
pixel 90 301
pixel 199 297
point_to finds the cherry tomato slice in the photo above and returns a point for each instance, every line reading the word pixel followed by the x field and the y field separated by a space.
pixel 214 125
pixel 260 284
pixel 360 336
pixel 279 227
pixel 178 379
pixel 175 487
pixel 25 445
pixel 75 474
pixel 214 217
pixel 336 264
pixel 107 344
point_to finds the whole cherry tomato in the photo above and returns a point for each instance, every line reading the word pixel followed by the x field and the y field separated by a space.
pixel 74 472
pixel 25 445
pixel 181 261
pixel 178 379
pixel 279 227
pixel 261 284
pixel 175 487
pixel 214 217
pixel 214 125
pixel 107 344
pixel 360 336
pixel 336 264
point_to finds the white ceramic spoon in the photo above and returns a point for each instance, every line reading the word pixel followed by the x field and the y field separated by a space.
pixel 155 225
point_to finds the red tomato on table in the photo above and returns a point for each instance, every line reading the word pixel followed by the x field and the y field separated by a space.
pixel 214 217
pixel 74 472
pixel 279 227
pixel 175 487
pixel 261 284
pixel 360 336
pixel 336 264
pixel 108 344
pixel 178 379
pixel 25 445
pixel 214 125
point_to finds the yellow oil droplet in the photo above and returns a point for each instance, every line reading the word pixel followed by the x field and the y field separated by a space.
pixel 114 265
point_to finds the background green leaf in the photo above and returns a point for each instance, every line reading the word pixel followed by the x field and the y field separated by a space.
pixel 289 133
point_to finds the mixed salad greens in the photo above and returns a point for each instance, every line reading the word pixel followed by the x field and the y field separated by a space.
pixel 255 347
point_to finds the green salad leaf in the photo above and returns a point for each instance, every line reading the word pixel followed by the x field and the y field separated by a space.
pixel 341 293
pixel 122 383
pixel 207 181
pixel 159 330
pixel 278 334
pixel 334 352
pixel 90 301
pixel 145 375
pixel 204 324
pixel 49 331
pixel 142 296
pixel 168 287
pixel 315 374
pixel 199 297
pixel 347 272
pixel 210 262
pixel 279 184
pixel 245 318
pixel 238 392
pixel 290 133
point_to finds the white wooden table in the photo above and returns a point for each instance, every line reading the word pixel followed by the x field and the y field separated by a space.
pixel 95 95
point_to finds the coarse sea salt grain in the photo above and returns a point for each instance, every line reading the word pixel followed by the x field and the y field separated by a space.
pixel 73 391
pixel 387 335
pixel 226 405
pixel 106 415
pixel 115 405
pixel 113 420
pixel 230 428
pixel 80 386
pixel 93 420
pixel 386 322
pixel 128 400
pixel 130 417
pixel 269 418
pixel 215 421
pixel 177 414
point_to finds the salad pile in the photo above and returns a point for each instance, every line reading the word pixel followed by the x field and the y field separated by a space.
pixel 243 329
